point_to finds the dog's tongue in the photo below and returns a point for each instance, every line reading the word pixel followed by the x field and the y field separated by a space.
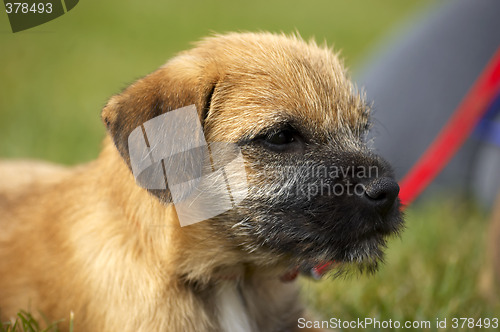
pixel 316 272
pixel 319 270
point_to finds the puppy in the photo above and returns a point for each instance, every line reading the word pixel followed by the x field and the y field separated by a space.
pixel 106 240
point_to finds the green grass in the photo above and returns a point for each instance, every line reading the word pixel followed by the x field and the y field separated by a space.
pixel 55 78
pixel 25 322
pixel 437 269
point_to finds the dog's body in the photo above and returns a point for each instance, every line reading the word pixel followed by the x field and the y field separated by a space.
pixel 82 244
pixel 90 240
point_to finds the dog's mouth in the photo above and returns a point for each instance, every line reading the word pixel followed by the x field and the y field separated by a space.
pixel 315 243
pixel 361 255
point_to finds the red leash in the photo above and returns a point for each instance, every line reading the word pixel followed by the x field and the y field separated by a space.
pixel 452 136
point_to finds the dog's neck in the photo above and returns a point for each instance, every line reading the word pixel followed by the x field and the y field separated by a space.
pixel 253 305
pixel 192 260
pixel 232 308
pixel 196 251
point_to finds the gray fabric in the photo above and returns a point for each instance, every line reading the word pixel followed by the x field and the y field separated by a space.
pixel 419 79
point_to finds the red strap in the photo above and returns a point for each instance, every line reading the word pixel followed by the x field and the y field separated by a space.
pixel 455 132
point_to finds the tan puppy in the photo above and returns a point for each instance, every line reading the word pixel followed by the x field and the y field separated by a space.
pixel 91 240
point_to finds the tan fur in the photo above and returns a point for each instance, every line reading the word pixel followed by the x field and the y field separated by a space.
pixel 90 241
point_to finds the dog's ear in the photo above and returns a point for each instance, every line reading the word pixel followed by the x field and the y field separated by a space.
pixel 183 81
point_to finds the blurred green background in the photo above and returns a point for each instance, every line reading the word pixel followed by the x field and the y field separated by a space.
pixel 55 78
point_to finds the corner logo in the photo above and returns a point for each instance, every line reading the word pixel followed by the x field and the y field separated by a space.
pixel 170 152
pixel 26 14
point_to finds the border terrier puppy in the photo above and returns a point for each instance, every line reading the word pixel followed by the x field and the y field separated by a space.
pixel 102 242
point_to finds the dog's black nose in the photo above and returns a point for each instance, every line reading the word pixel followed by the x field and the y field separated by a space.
pixel 381 193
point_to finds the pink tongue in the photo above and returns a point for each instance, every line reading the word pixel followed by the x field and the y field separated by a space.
pixel 316 272
pixel 319 270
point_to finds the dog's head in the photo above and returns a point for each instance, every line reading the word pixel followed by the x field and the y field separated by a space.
pixel 313 191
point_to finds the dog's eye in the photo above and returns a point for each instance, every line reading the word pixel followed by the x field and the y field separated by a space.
pixel 281 138
pixel 284 140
